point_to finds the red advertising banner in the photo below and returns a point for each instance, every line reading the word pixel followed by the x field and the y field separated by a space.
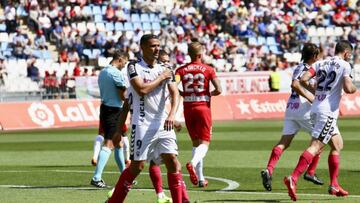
pixel 49 114
pixel 82 113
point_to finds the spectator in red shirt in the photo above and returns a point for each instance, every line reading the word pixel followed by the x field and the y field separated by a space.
pixel 77 71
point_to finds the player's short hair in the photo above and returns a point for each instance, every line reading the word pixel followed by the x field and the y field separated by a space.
pixel 195 48
pixel 309 51
pixel 342 46
pixel 120 54
pixel 145 38
pixel 162 52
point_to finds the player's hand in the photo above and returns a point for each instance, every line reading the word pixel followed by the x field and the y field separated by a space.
pixel 169 123
pixel 177 126
pixel 166 74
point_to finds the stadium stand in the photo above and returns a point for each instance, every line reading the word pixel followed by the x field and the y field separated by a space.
pixel 239 36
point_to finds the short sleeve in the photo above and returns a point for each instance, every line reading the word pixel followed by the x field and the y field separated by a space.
pixel 212 74
pixel 119 79
pixel 347 69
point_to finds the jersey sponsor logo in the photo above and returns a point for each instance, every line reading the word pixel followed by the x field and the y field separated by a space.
pixel 142 109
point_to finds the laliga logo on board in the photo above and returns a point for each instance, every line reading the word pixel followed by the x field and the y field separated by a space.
pixel 41 115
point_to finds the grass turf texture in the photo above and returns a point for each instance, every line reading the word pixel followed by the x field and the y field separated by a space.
pixel 54 166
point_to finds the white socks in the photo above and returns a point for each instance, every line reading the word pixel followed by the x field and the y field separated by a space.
pixel 199 153
pixel 126 147
pixel 97 146
pixel 199 170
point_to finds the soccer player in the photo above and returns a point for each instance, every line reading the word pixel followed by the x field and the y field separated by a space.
pixel 153 137
pixel 332 76
pixel 112 92
pixel 195 78
pixel 297 117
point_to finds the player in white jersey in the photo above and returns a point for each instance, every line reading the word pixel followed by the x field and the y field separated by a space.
pixel 297 117
pixel 332 76
pixel 153 137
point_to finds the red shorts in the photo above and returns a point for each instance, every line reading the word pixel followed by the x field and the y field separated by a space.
pixel 198 122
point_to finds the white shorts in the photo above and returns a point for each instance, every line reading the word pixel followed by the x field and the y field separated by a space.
pixel 292 126
pixel 148 144
pixel 325 127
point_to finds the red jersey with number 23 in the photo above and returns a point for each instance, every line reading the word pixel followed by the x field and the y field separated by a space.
pixel 195 78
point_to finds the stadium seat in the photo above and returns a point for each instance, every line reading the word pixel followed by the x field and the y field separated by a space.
pixel 2 27
pixel 102 61
pixel 155 26
pixel 87 11
pixel 103 10
pixel 21 68
pixel 91 27
pixel 100 27
pixel 128 26
pixel 135 18
pixel 270 41
pixel 347 30
pixel 87 52
pixel 338 31
pixel 96 53
pixel 4 46
pixel 4 37
pixel 98 18
pixel 315 40
pixel 119 26
pixel 252 41
pixel 81 28
pixel 274 49
pixel 320 31
pixel 261 40
pixel 146 26
pixel 145 18
pixel 137 26
pixel 20 11
pixel 265 49
pixel 96 10
pixel 109 26
pixel 126 4
pixel 154 18
pixel 312 31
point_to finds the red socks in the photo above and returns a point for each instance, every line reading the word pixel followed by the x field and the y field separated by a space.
pixel 185 197
pixel 155 175
pixel 175 186
pixel 274 158
pixel 333 162
pixel 313 165
pixel 122 186
pixel 304 161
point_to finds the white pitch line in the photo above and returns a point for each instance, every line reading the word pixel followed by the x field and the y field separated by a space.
pixel 232 185
pixel 151 190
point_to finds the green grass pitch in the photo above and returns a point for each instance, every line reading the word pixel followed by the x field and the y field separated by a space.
pixel 54 166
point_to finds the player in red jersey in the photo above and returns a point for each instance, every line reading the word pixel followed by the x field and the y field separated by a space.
pixel 195 78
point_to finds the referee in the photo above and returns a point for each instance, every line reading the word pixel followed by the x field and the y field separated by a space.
pixel 112 84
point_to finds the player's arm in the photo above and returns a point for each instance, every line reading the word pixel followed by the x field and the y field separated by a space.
pixel 174 105
pixel 298 88
pixel 217 86
pixel 143 88
pixel 305 78
pixel 122 93
pixel 348 85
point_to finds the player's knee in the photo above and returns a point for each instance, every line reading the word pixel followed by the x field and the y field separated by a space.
pixel 136 167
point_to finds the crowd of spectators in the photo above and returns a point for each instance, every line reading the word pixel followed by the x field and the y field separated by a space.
pixel 225 27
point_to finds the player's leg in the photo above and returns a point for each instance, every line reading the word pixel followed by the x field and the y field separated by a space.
pixel 166 147
pixel 156 179
pixel 336 144
pixel 201 136
pixel 175 181
pixel 310 174
pixel 102 160
pixel 291 127
pixel 125 181
pixel 118 151
pixel 99 139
